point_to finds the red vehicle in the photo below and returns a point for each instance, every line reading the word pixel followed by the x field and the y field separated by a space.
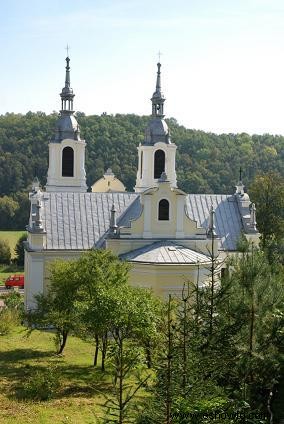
pixel 15 281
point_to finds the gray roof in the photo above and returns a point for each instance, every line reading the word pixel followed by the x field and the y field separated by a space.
pixel 157 131
pixel 80 221
pixel 66 127
pixel 165 252
pixel 227 216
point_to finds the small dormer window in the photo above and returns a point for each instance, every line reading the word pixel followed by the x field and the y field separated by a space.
pixel 159 163
pixel 68 162
pixel 164 210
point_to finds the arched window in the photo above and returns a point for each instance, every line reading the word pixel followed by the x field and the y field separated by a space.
pixel 68 162
pixel 159 163
pixel 164 210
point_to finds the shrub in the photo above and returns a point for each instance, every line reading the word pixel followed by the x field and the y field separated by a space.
pixel 5 252
pixel 9 318
pixel 13 300
pixel 42 385
pixel 20 250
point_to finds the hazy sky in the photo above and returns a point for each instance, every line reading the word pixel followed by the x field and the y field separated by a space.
pixel 222 60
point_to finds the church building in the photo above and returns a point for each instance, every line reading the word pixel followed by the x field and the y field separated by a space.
pixel 167 235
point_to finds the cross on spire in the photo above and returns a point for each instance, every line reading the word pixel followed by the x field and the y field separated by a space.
pixel 67 48
pixel 159 56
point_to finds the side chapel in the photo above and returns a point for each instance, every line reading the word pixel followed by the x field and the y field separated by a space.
pixel 164 233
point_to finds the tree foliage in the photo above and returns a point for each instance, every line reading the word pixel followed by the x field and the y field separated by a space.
pixel 206 162
pixel 238 366
pixel 267 191
pixel 20 250
pixel 5 252
pixel 56 309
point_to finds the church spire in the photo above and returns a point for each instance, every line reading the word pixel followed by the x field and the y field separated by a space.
pixel 66 170
pixel 156 152
pixel 158 97
pixel 67 94
pixel 157 129
pixel 67 126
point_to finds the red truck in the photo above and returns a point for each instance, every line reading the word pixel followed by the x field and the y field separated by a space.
pixel 15 281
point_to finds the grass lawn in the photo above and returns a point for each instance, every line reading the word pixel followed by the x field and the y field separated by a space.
pixel 6 270
pixel 12 237
pixel 80 398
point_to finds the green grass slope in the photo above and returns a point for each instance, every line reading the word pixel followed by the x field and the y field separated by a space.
pixel 12 237
pixel 83 386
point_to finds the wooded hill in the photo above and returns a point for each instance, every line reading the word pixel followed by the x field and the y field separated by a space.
pixel 206 162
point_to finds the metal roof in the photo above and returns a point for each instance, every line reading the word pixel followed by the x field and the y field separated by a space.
pixel 165 252
pixel 227 216
pixel 79 221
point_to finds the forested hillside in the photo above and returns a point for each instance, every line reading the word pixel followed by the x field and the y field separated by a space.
pixel 206 162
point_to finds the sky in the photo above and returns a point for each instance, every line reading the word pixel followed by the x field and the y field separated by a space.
pixel 222 60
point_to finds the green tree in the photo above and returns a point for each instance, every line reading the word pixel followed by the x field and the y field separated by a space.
pixel 8 208
pixel 20 250
pixel 21 217
pixel 5 252
pixel 134 317
pixel 267 191
pixel 213 159
pixel 57 308
pixel 99 272
pixel 253 319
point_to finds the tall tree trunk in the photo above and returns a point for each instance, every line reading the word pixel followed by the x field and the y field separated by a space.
pixel 169 367
pixel 97 342
pixel 251 336
pixel 184 352
pixel 120 378
pixel 148 354
pixel 212 289
pixel 185 298
pixel 63 341
pixel 104 350
pixel 197 309
pixel 252 321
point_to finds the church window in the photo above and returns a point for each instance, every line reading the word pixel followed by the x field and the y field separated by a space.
pixel 68 162
pixel 164 210
pixel 159 163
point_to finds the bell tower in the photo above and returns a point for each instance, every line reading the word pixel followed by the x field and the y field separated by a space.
pixel 156 154
pixel 66 170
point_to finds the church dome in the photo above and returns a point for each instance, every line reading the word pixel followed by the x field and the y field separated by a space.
pixel 66 127
pixel 67 91
pixel 157 131
pixel 108 184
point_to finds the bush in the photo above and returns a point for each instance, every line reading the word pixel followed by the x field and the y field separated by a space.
pixel 14 300
pixel 43 385
pixel 5 252
pixel 9 318
pixel 20 250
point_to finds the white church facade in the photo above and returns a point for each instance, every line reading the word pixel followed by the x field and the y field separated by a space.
pixel 164 233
